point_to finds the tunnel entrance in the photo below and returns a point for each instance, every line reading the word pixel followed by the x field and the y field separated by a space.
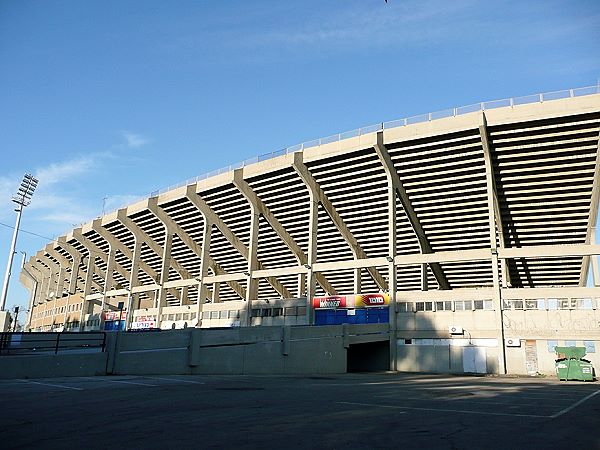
pixel 369 357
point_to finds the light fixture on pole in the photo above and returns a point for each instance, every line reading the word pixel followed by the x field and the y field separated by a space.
pixel 22 198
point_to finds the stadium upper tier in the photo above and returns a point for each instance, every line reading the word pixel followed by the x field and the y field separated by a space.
pixel 447 203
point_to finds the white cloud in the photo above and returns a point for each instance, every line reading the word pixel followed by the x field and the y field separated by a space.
pixel 134 140
pixel 114 202
pixel 59 172
pixel 406 22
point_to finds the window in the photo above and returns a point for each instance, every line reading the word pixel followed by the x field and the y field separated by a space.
pixel 301 310
pixel 584 303
pixel 541 303
pixel 224 314
pixel 443 306
pixel 478 304
pixel 570 343
pixel 255 313
pixel 488 305
pixel 178 316
pixel 428 306
pixel 531 304
pixel 234 314
pixel 459 305
pixel 405 307
pixel 290 311
pixel 277 312
pixel 590 346
pixel 192 316
pixel 419 306
pixel 552 346
pixel 408 341
pixel 206 314
pixel 564 304
pixel 266 312
pixel 552 303
pixel 214 314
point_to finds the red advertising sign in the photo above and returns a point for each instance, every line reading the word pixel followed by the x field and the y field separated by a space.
pixel 114 315
pixel 366 300
pixel 332 301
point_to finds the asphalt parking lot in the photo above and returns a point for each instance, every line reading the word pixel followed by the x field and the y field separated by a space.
pixel 350 411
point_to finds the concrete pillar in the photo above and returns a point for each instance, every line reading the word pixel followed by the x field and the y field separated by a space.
pixel 357 281
pixel 201 297
pixel 252 283
pixel 313 225
pixel 392 250
pixel 109 276
pixel 301 289
pixel 164 277
pixel 594 261
pixel 87 289
pixel 74 273
pixel 133 281
pixel 424 279
pixel 216 292
pixel 60 283
pixel 492 200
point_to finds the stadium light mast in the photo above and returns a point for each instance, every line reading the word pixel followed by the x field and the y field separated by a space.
pixel 22 198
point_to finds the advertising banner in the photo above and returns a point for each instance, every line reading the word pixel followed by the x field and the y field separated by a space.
pixel 366 300
pixel 114 315
pixel 143 325
pixel 332 301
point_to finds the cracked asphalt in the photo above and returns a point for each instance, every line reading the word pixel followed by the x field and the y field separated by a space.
pixel 347 411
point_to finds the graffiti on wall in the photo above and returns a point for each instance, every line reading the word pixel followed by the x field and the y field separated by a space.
pixel 551 322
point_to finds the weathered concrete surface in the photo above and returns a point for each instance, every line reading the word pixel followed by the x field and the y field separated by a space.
pixel 350 411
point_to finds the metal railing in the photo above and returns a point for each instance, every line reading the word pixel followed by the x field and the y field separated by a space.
pixel 451 112
pixel 45 343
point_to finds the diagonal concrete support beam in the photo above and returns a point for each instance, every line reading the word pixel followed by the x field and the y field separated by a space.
pixel 137 231
pixel 63 269
pixel 141 236
pixel 231 237
pixel 411 214
pixel 198 250
pixel 591 229
pixel 77 258
pixel 495 226
pixel 288 240
pixel 126 251
pixel 35 263
pixel 495 217
pixel 313 186
pixel 95 252
pixel 54 269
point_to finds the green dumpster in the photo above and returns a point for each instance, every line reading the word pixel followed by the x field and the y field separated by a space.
pixel 570 364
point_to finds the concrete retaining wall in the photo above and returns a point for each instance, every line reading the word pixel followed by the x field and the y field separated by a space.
pixel 248 350
pixel 50 366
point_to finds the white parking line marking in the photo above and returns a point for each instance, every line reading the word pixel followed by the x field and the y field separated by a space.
pixel 447 410
pixel 574 405
pixel 131 382
pixel 482 400
pixel 53 385
pixel 176 379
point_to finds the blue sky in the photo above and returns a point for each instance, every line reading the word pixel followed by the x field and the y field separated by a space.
pixel 114 99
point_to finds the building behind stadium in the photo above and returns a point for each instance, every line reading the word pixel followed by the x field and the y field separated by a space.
pixel 470 231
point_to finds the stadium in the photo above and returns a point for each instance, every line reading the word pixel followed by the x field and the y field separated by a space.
pixel 469 233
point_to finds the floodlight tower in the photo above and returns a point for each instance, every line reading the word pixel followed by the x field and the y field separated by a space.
pixel 22 198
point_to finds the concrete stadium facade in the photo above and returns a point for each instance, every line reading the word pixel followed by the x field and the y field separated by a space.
pixel 486 221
